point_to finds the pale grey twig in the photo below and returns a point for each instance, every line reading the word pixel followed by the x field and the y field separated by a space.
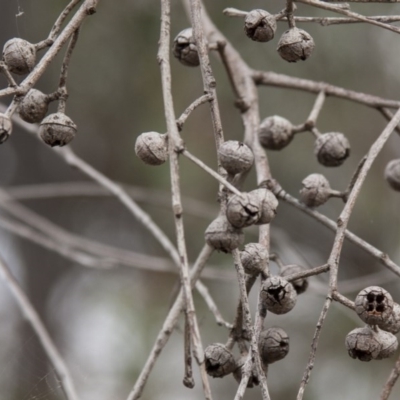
pixel 393 377
pixel 198 102
pixel 38 326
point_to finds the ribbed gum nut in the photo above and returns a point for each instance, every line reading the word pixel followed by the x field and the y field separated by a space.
pixel 392 174
pixel 273 345
pixel 222 236
pixel 185 50
pixel 332 149
pixel 152 148
pixel 57 129
pixel 219 360
pixel 278 295
pixel 5 127
pixel 34 106
pixel 255 258
pixel 392 324
pixel 300 285
pixel 268 205
pixel 295 44
pixel 260 25
pixel 243 210
pixel 253 380
pixel 275 132
pixel 374 305
pixel 19 56
pixel 235 157
pixel 316 190
pixel 367 344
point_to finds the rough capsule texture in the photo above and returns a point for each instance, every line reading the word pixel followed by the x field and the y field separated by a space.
pixel 19 56
pixel 275 132
pixel 235 157
pixel 253 380
pixel 152 148
pixel 222 236
pixel 366 344
pixel 273 345
pixel 268 204
pixel 392 174
pixel 300 285
pixel 295 44
pixel 332 149
pixel 243 210
pixel 374 305
pixel 316 190
pixel 219 360
pixel 57 130
pixel 392 324
pixel 278 295
pixel 255 258
pixel 33 107
pixel 5 127
pixel 184 48
pixel 260 25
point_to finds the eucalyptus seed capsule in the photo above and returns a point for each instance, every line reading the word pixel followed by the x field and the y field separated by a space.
pixel 300 285
pixel 392 174
pixel 275 132
pixel 295 44
pixel 222 236
pixel 19 56
pixel 152 148
pixel 316 190
pixel 235 157
pixel 268 205
pixel 254 258
pixel 34 106
pixel 243 210
pixel 332 149
pixel 273 345
pixel 57 129
pixel 219 360
pixel 278 295
pixel 5 127
pixel 374 305
pixel 260 25
pixel 185 50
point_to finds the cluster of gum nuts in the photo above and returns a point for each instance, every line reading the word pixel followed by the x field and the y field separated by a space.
pixel 57 129
pixel 277 296
pixel 259 25
pixel 376 341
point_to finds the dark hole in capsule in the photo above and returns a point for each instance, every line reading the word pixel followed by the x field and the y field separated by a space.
pixel 370 297
pixel 371 307
pixel 380 298
pixel 380 307
pixel 275 292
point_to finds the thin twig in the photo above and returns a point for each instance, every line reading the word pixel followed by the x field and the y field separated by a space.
pixel 343 300
pixel 198 102
pixel 33 317
pixel 389 385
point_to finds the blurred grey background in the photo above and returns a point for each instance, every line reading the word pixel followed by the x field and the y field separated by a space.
pixel 105 322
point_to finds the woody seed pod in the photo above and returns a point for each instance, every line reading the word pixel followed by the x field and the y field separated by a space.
pixel 392 324
pixel 268 205
pixel 152 148
pixel 316 190
pixel 185 49
pixel 332 149
pixel 273 345
pixel 19 56
pixel 254 258
pixel 5 127
pixel 367 344
pixel 221 235
pixel 34 106
pixel 260 25
pixel 57 129
pixel 275 133
pixel 392 174
pixel 243 210
pixel 300 285
pixel 374 305
pixel 219 360
pixel 235 157
pixel 278 295
pixel 295 44
pixel 253 380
